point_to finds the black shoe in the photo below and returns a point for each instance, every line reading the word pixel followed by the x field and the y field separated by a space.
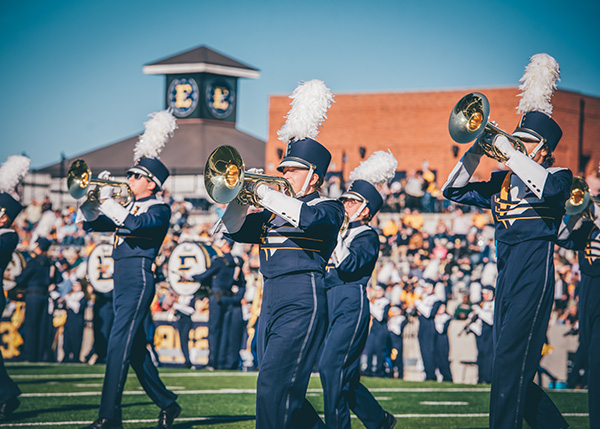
pixel 102 423
pixel 7 408
pixel 388 422
pixel 166 416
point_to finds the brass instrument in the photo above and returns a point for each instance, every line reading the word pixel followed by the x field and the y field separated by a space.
pixel 226 180
pixel 469 120
pixel 80 179
pixel 581 201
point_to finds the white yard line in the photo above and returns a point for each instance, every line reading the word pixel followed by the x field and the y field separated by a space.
pixel 232 418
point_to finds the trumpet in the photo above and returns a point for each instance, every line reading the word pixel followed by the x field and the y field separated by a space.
pixel 80 179
pixel 226 180
pixel 469 120
pixel 580 200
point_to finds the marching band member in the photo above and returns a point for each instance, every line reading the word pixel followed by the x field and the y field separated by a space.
pixel 482 323
pixel 37 277
pixel 376 346
pixel 75 303
pixel 11 172
pixel 348 273
pixel 140 230
pixel 527 203
pixel 583 233
pixel 220 277
pixel 296 237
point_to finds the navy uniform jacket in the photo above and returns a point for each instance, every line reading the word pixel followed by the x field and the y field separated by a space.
pixel 143 230
pixel 518 214
pixel 357 266
pixel 285 249
pixel 8 243
pixel 38 275
pixel 586 239
pixel 220 272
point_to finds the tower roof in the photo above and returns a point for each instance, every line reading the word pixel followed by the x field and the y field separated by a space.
pixel 201 60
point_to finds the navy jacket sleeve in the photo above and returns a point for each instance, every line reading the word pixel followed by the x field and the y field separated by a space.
pixel 329 212
pixel 477 194
pixel 251 230
pixel 101 224
pixel 216 265
pixel 364 250
pixel 578 238
pixel 144 224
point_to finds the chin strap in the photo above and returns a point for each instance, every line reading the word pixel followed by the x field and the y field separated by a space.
pixel 311 170
pixel 537 148
pixel 358 212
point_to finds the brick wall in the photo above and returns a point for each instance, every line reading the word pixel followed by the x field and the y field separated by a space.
pixel 414 126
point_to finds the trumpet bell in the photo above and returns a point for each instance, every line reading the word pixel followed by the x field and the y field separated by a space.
pixel 580 197
pixel 224 174
pixel 78 179
pixel 469 117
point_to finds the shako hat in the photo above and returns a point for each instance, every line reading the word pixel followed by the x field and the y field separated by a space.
pixel 159 128
pixel 537 86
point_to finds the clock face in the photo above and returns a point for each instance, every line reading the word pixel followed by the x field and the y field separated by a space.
pixel 183 95
pixel 220 98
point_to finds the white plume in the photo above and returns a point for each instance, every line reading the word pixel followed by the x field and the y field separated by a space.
pixel 12 171
pixel 159 128
pixel 310 102
pixel 538 83
pixel 379 168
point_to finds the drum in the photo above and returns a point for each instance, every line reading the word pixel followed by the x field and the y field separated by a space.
pixel 13 269
pixel 100 268
pixel 188 258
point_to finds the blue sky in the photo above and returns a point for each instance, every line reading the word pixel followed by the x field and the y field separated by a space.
pixel 71 71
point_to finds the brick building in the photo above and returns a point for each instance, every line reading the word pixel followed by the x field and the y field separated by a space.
pixel 414 126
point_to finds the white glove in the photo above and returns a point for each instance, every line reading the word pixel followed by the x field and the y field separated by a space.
pixel 106 192
pixel 255 171
pixel 504 146
pixel 105 175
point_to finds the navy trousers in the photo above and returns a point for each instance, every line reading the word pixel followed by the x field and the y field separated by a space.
pixel 133 294
pixel 426 336
pixel 216 313
pixel 376 347
pixel 292 325
pixel 441 353
pixel 103 320
pixel 524 296
pixel 231 337
pixel 36 329
pixel 397 343
pixel 8 388
pixel 589 336
pixel 485 354
pixel 184 325
pixel 349 316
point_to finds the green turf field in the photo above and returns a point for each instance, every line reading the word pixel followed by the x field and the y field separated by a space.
pixel 67 396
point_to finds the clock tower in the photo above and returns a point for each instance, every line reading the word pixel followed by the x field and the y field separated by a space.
pixel 202 84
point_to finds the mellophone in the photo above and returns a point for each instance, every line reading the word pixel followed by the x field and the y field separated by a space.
pixel 187 259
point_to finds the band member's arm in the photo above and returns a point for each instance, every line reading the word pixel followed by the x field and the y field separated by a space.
pixel 157 216
pixel 8 243
pixel 216 265
pixel 299 214
pixel 574 232
pixel 477 194
pixel 233 219
pixel 537 178
pixel 458 188
pixel 363 249
pixel 464 169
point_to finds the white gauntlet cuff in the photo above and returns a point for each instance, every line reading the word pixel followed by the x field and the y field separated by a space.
pixel 530 172
pixel 282 205
pixel 114 211
pixel 233 218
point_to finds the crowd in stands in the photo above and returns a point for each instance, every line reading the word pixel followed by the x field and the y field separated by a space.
pixel 455 251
